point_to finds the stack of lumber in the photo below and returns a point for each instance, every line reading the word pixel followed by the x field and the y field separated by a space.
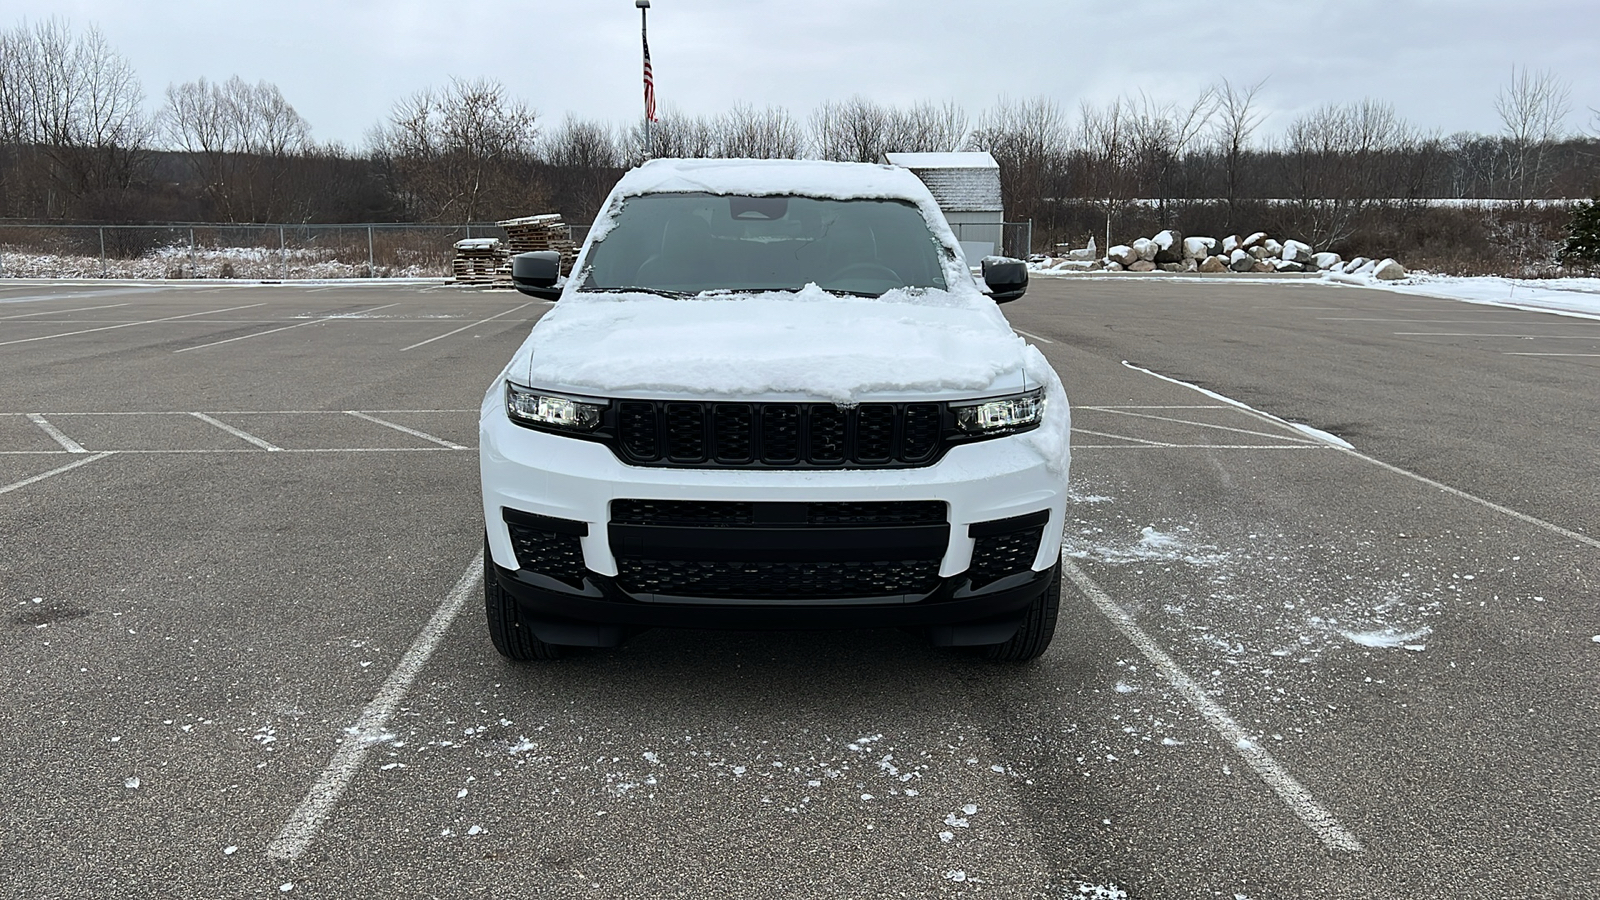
pixel 546 232
pixel 481 261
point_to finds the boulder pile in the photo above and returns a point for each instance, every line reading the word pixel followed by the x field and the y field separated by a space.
pixel 1170 251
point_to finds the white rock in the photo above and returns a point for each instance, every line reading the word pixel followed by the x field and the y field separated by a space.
pixel 1389 270
pixel 1367 267
pixel 1198 247
pixel 1114 266
pixel 1230 244
pixel 1273 247
pixel 1123 255
pixel 1297 251
pixel 1240 260
pixel 1353 265
pixel 1327 260
pixel 1146 249
pixel 1254 239
pixel 1285 265
pixel 1259 251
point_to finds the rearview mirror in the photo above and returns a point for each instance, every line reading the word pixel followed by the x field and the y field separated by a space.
pixel 538 274
pixel 1006 278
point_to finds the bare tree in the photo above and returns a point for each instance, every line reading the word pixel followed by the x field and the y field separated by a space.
pixel 242 140
pixel 1028 139
pixel 1159 134
pixel 745 132
pixel 460 153
pixel 585 158
pixel 1532 107
pixel 927 128
pixel 75 104
pixel 1236 121
pixel 856 130
pixel 1343 160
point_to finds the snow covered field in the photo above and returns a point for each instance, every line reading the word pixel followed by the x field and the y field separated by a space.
pixel 1570 296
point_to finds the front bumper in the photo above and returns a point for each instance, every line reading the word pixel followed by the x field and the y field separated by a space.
pixel 600 614
pixel 576 481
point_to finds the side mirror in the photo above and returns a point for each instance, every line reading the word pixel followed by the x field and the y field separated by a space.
pixel 537 274
pixel 1007 278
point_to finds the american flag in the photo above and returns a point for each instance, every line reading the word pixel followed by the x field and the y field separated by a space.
pixel 649 84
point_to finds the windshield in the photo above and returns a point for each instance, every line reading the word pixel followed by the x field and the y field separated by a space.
pixel 689 243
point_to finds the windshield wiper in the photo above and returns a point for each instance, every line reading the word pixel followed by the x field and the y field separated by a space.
pixel 634 289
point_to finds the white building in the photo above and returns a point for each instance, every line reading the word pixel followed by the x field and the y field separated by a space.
pixel 967 186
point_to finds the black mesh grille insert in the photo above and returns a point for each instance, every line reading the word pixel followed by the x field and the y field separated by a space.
pixel 681 433
pixel 686 432
pixel 996 556
pixel 636 427
pixel 777 580
pixel 550 553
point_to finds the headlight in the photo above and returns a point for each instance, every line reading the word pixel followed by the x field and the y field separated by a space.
pixel 548 411
pixel 1003 415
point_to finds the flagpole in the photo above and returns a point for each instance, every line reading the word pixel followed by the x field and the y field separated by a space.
pixel 644 37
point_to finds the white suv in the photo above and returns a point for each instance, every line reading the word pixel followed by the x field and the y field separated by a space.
pixel 772 396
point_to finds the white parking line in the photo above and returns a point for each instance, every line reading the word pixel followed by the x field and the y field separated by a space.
pixel 1527 337
pixel 245 337
pixel 61 312
pixel 1151 445
pixel 1119 437
pixel 242 435
pixel 1299 800
pixel 1489 504
pixel 56 471
pixel 47 337
pixel 401 428
pixel 1508 353
pixel 1044 340
pixel 1276 437
pixel 70 445
pixel 464 328
pixel 301 827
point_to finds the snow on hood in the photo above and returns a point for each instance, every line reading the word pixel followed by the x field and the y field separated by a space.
pixel 808 344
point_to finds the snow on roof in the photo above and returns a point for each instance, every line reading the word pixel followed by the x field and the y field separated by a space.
pixel 961 182
pixel 769 177
pixel 980 159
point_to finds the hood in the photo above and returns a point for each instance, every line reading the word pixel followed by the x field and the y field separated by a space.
pixel 808 344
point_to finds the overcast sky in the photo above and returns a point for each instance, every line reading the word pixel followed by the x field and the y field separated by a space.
pixel 343 63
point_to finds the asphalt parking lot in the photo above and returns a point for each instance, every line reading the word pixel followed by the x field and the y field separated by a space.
pixel 239 552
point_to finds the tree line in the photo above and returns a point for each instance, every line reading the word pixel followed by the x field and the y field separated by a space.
pixel 77 144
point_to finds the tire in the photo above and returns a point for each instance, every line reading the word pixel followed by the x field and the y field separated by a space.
pixel 1038 627
pixel 506 632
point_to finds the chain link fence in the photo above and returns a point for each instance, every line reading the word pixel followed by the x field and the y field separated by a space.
pixel 217 251
pixel 980 239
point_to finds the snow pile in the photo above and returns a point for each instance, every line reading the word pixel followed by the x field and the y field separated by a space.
pixel 1170 251
pixel 250 263
pixel 1574 296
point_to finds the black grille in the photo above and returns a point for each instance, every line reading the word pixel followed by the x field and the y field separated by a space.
pixel 778 552
pixel 996 556
pixel 662 433
pixel 777 580
pixel 723 514
pixel 547 546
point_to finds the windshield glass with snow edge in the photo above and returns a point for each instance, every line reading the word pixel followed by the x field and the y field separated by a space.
pixel 693 243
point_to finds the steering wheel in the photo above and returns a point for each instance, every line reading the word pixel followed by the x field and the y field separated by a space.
pixel 867 270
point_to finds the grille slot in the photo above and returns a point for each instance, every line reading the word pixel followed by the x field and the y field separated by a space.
pixel 637 428
pixel 780 433
pixel 778 580
pixel 686 432
pixel 732 424
pixel 779 552
pixel 922 427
